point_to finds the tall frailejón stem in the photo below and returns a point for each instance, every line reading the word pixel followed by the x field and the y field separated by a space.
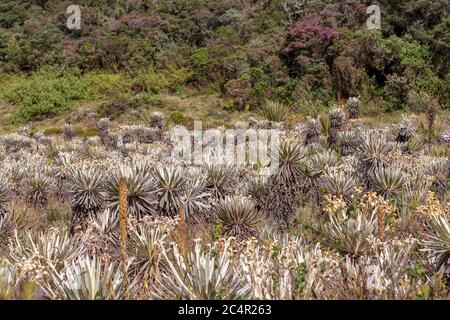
pixel 123 208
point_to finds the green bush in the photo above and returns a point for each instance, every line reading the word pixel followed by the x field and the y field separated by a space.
pixel 45 95
pixel 11 12
pixel 157 81
pixel 177 117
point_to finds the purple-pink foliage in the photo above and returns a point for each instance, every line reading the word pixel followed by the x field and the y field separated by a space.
pixel 309 32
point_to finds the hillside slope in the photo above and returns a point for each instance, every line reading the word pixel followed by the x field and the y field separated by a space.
pixel 235 54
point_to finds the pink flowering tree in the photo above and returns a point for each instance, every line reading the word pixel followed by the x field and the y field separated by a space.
pixel 309 34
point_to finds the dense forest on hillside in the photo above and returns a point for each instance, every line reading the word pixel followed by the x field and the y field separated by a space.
pixel 307 54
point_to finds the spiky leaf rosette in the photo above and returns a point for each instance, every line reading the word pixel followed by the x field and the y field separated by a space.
pixel 275 111
pixel 141 190
pixel 157 120
pixel 104 234
pixel 171 183
pixel 128 134
pixel 336 118
pixel 415 190
pixel 15 142
pixel 106 222
pixel 24 131
pixel 52 248
pixel 387 181
pixel 340 184
pixel 15 173
pixel 145 242
pixel 5 195
pixel 373 150
pixel 320 163
pixel 7 228
pixel 347 142
pixel 139 133
pixel 9 281
pixel 109 140
pixel 311 131
pixel 405 129
pixel 438 169
pixel 68 131
pixel 195 200
pixel 349 235
pixel 239 217
pixel 438 243
pixel 64 161
pixel 354 105
pixel 38 188
pixel 287 181
pixel 200 275
pixel 86 193
pixel 43 140
pixel 290 156
pixel 444 138
pixel 219 179
pixel 88 279
pixel 257 189
pixel 127 149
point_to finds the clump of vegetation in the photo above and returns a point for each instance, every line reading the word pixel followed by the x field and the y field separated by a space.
pixel 239 217
pixel 43 95
pixel 276 112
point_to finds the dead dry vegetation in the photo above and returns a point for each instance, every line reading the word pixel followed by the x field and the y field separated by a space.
pixel 350 213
